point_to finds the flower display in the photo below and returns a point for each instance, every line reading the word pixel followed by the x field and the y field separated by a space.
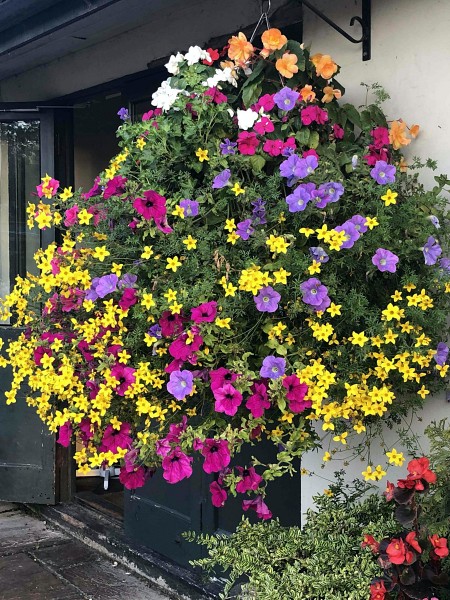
pixel 251 263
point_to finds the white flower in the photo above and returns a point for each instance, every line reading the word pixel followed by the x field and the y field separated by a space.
pixel 230 112
pixel 435 221
pixel 195 54
pixel 220 75
pixel 246 118
pixel 174 61
pixel 165 96
pixel 229 76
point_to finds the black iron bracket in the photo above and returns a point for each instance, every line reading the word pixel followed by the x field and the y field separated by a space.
pixel 364 20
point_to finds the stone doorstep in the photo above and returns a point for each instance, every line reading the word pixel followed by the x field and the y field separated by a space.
pixel 106 536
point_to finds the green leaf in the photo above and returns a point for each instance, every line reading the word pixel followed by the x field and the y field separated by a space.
pixel 302 136
pixel 314 139
pixel 257 163
pixel 251 93
pixel 352 114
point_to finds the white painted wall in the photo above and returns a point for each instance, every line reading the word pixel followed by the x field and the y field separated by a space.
pixel 410 59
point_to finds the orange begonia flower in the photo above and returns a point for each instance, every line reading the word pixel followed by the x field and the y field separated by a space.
pixel 403 166
pixel 397 135
pixel 329 93
pixel 307 94
pixel 325 65
pixel 287 65
pixel 414 130
pixel 272 40
pixel 240 49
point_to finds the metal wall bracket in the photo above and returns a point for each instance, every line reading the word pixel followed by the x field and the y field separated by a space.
pixel 364 20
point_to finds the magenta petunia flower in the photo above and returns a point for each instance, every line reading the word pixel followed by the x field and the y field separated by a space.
pixel 218 494
pixel 383 173
pixel 184 347
pixel 273 147
pixel 247 142
pixel 258 505
pixel 228 399
pixel 180 384
pixel 264 125
pixel 431 251
pixel 286 98
pixel 71 215
pixel 273 367
pixel 250 480
pixel 151 206
pixel 266 102
pixel 313 114
pixel 64 434
pixel 176 466
pixel 385 260
pixel 217 455
pixel 129 299
pixel 115 187
pixel 204 313
pixel 133 479
pixel 190 207
pixel 267 299
pixel 170 324
pixel 314 292
pixel 258 401
pixel 338 131
pixel 114 439
pixel 215 95
pixel 219 377
pixel 125 376
pixel 380 137
pixel 296 392
pixel 222 179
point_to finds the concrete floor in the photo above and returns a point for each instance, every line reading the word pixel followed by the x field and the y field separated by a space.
pixel 38 562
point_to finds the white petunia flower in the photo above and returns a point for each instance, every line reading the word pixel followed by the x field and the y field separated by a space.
pixel 165 96
pixel 246 118
pixel 174 61
pixel 195 54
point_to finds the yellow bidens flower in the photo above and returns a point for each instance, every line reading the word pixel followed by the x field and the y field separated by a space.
pixel 237 189
pixel 100 253
pixel 358 339
pixel 140 143
pixel 395 458
pixel 190 242
pixel 201 154
pixel 148 252
pixel 173 263
pixel 389 198
pixel 376 474
pixel 277 244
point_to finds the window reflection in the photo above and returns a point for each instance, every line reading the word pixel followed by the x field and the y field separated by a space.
pixel 19 175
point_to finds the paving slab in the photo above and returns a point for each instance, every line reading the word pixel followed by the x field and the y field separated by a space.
pixel 38 562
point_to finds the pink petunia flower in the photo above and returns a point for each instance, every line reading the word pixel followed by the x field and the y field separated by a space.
pixel 228 399
pixel 217 455
pixel 176 466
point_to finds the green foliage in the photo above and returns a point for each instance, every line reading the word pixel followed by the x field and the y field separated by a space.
pixel 322 561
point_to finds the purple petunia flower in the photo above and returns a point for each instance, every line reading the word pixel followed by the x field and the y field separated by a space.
pixel 441 354
pixel 297 167
pixel 221 180
pixel 259 212
pixel 273 367
pixel 228 147
pixel 314 292
pixel 180 384
pixel 267 299
pixel 128 280
pixel 155 331
pixel 444 263
pixel 244 229
pixel 319 254
pixel 431 251
pixel 123 114
pixel 286 98
pixel 190 207
pixel 106 285
pixel 385 260
pixel 331 192
pixel 298 200
pixel 359 222
pixel 383 173
pixel 351 234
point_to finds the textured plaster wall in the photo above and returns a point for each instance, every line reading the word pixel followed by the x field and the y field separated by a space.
pixel 410 59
